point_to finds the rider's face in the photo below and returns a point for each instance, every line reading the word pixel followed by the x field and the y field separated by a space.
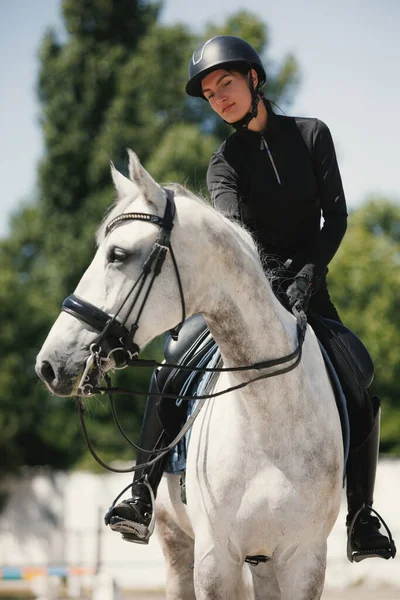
pixel 228 93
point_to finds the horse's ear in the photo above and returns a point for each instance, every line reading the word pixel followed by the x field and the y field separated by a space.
pixel 124 186
pixel 138 174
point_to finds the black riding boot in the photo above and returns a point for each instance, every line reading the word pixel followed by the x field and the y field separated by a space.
pixel 364 538
pixel 134 517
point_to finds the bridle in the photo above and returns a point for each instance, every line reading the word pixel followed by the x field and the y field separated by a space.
pixel 115 347
pixel 115 344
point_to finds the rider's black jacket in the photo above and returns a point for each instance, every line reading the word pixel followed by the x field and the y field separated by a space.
pixel 280 183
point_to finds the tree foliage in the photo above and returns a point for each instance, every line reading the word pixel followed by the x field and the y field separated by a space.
pixel 365 283
pixel 116 81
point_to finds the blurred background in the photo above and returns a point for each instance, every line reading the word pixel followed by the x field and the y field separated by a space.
pixel 82 80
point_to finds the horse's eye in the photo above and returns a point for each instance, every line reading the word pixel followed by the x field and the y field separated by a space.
pixel 117 255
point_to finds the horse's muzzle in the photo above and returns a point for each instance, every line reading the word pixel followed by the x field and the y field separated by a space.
pixel 56 378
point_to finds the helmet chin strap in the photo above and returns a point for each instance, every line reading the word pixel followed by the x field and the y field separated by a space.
pixel 255 99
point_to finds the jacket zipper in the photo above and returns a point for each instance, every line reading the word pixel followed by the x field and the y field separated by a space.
pixel 265 145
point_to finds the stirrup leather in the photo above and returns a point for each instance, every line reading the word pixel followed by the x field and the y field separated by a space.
pixel 359 555
pixel 138 533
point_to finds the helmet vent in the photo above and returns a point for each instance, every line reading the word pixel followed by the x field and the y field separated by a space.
pixel 196 58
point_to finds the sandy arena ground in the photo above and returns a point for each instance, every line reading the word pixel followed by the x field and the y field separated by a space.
pixel 361 594
pixel 347 594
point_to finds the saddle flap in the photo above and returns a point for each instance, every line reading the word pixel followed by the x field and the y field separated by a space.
pixel 345 349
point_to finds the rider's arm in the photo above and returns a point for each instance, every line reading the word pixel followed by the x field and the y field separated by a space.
pixel 222 183
pixel 332 199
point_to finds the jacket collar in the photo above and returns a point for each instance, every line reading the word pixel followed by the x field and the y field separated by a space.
pixel 272 123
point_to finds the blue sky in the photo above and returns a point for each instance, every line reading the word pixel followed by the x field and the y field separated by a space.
pixel 348 51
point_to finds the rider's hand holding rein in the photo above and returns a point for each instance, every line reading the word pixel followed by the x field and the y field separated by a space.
pixel 300 290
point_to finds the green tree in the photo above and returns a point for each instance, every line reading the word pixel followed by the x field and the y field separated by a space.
pixel 282 78
pixel 365 282
pixel 116 81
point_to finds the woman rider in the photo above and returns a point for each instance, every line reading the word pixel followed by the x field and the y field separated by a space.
pixel 277 175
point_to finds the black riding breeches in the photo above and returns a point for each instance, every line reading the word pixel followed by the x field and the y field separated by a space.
pixel 359 404
pixel 320 300
pixel 321 303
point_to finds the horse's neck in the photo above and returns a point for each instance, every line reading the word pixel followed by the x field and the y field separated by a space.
pixel 247 321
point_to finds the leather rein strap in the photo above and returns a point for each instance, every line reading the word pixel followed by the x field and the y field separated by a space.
pixel 159 453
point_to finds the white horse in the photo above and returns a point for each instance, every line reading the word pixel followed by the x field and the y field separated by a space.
pixel 265 463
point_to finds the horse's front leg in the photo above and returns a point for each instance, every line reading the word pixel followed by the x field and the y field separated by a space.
pixel 218 574
pixel 264 581
pixel 300 571
pixel 177 546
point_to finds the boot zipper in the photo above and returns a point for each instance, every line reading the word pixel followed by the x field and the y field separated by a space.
pixel 265 145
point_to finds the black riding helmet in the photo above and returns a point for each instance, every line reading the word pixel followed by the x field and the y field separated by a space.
pixel 219 52
pixel 230 52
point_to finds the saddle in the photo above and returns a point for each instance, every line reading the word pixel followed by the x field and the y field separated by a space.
pixel 195 342
pixel 348 354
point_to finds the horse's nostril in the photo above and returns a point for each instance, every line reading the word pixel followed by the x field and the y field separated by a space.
pixel 47 372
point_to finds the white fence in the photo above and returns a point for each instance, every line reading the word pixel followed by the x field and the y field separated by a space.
pixel 57 520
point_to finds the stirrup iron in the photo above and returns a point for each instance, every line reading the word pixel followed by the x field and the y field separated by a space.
pixel 135 532
pixel 359 555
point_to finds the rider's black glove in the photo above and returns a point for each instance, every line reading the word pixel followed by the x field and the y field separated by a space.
pixel 300 290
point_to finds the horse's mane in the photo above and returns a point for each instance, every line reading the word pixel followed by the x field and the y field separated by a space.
pixel 240 230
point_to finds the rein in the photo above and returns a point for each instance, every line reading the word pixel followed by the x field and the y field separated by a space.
pixel 301 330
pixel 115 348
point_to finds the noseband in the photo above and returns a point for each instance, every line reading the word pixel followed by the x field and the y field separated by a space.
pixel 116 341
